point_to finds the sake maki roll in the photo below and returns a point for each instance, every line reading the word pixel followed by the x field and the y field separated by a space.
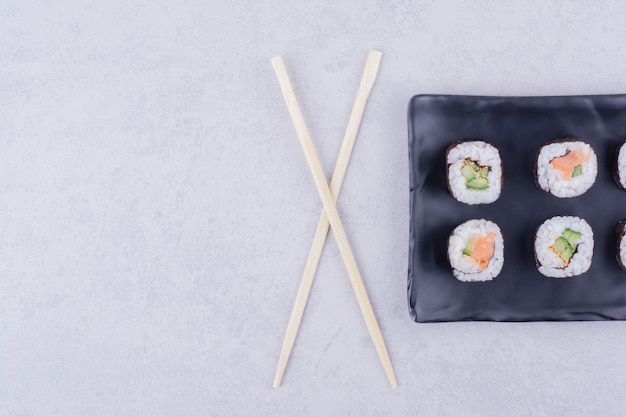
pixel 474 172
pixel 619 168
pixel 566 168
pixel 476 251
pixel 564 247
pixel 620 231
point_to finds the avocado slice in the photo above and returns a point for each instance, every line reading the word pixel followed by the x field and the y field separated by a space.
pixel 563 249
pixel 484 172
pixel 571 235
pixel 468 248
pixel 560 244
pixel 578 170
pixel 478 183
pixel 473 164
pixel 468 172
pixel 567 254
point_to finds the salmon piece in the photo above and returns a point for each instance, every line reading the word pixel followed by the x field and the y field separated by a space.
pixel 483 248
pixel 565 164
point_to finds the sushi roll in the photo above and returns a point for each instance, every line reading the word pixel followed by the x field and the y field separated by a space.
pixel 474 172
pixel 564 247
pixel 566 168
pixel 619 168
pixel 476 251
pixel 620 231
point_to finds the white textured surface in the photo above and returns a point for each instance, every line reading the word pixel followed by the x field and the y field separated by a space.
pixel 157 209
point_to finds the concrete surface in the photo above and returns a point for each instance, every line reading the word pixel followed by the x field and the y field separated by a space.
pixel 156 209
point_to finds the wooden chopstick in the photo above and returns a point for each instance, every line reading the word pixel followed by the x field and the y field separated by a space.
pixel 365 87
pixel 333 217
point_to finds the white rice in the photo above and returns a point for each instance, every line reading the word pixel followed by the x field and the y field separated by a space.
pixel 621 166
pixel 621 246
pixel 548 262
pixel 462 266
pixel 483 154
pixel 622 249
pixel 550 179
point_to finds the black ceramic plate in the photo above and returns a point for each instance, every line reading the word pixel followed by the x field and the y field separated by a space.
pixel 517 126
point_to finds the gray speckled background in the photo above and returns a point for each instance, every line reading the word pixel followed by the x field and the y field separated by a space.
pixel 156 209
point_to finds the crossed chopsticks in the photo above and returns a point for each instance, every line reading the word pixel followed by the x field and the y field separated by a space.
pixel 330 216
